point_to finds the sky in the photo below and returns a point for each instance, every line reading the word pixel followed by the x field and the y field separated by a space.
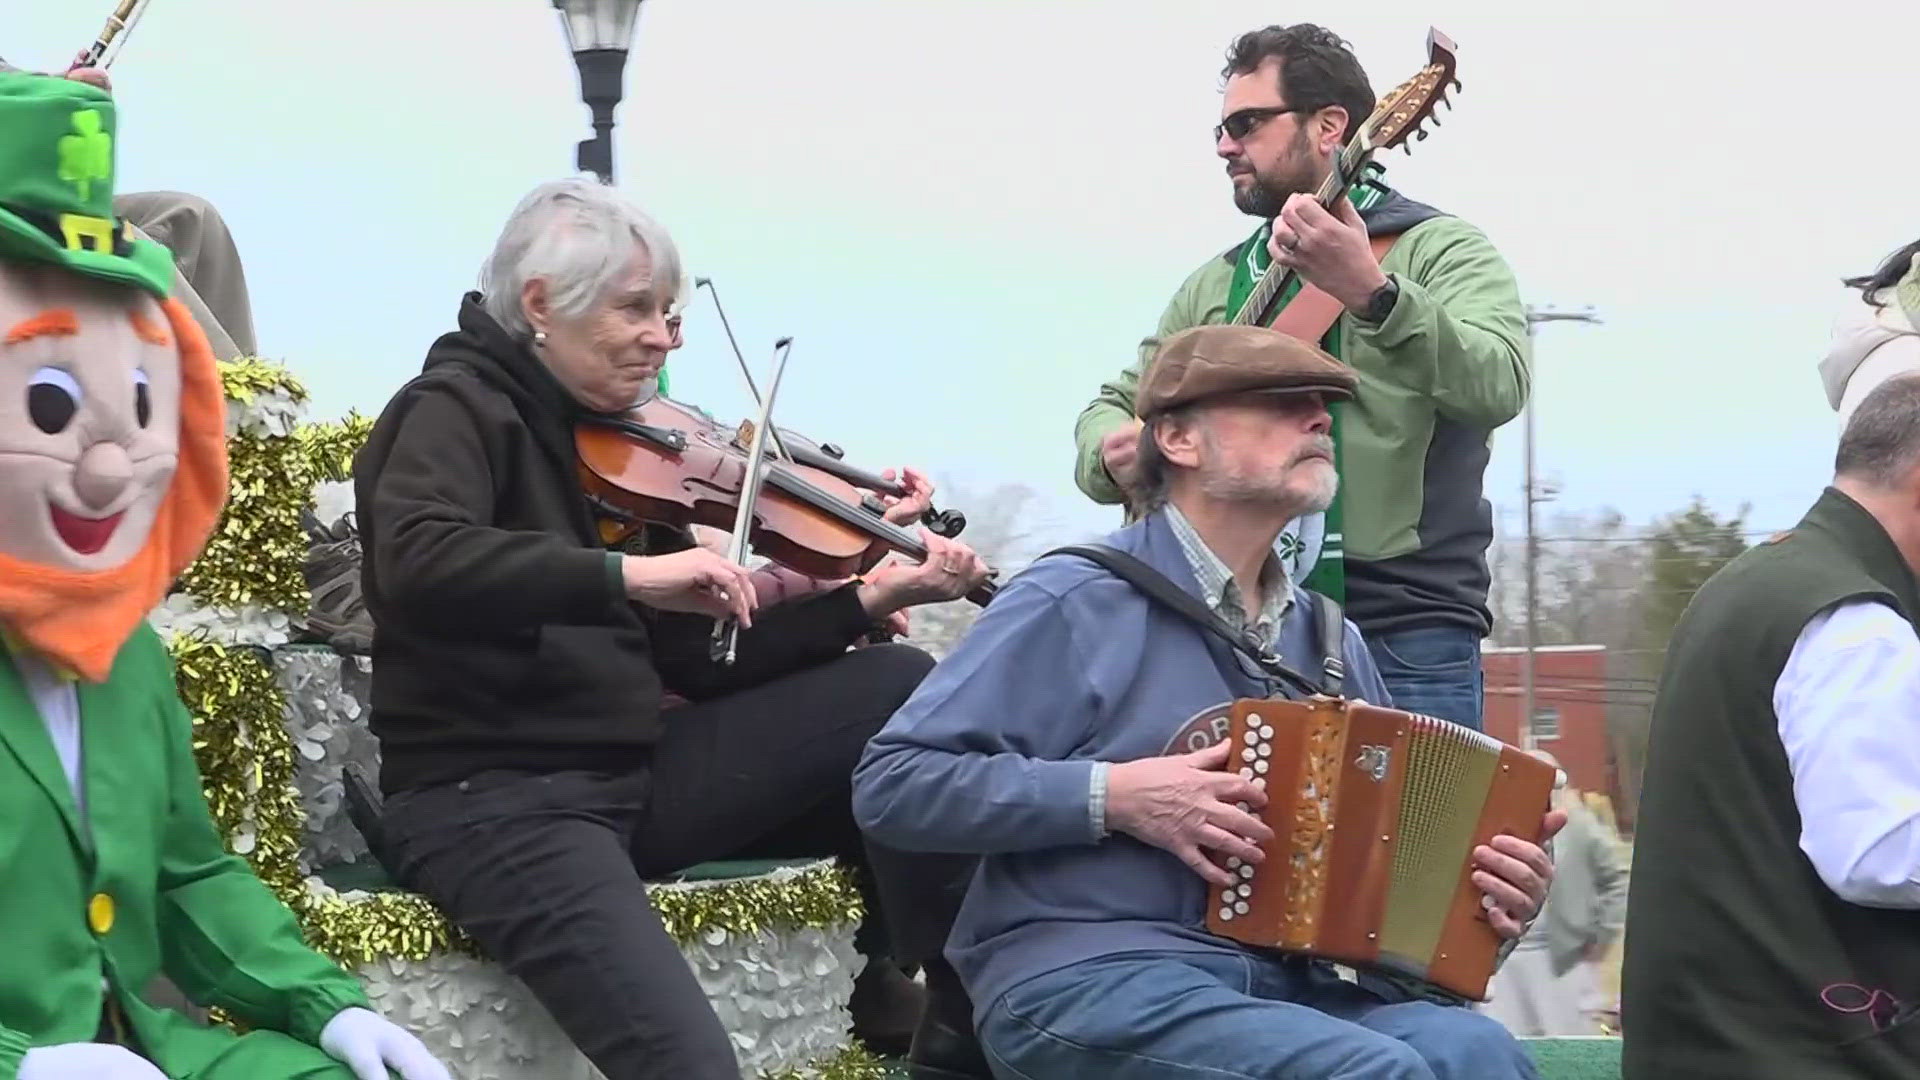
pixel 968 214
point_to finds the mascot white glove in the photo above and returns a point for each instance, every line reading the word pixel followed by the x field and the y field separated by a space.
pixel 370 1044
pixel 86 1061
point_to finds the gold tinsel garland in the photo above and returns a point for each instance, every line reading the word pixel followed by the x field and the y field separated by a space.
pixel 856 1062
pixel 247 757
pixel 257 553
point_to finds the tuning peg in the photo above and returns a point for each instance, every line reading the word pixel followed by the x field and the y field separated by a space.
pixel 1456 84
pixel 1435 117
pixel 1421 134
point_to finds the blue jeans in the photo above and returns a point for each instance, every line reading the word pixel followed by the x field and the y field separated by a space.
pixel 1432 670
pixel 1220 1016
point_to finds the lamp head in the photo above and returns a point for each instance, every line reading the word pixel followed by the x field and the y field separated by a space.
pixel 598 24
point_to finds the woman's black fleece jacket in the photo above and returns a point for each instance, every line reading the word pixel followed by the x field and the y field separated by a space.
pixel 503 635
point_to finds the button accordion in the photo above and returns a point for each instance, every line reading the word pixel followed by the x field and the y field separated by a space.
pixel 1375 814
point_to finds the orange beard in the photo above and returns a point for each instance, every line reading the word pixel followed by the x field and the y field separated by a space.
pixel 79 621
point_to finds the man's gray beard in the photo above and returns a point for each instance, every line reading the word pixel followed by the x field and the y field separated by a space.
pixel 1277 496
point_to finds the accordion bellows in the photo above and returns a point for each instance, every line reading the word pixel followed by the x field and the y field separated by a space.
pixel 1375 814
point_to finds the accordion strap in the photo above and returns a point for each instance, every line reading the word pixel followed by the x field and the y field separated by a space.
pixel 1156 585
pixel 1333 642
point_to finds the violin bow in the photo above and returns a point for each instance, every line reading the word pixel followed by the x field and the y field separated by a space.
pixel 779 445
pixel 119 25
pixel 948 523
pixel 724 646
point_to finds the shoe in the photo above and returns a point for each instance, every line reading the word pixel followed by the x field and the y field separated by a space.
pixel 942 1052
pixel 886 1006
pixel 944 1045
pixel 338 614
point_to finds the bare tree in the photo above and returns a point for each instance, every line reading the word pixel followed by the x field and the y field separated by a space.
pixel 1002 530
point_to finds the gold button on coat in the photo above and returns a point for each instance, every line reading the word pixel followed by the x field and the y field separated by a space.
pixel 100 913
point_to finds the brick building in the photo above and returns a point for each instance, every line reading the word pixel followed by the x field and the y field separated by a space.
pixel 1570 697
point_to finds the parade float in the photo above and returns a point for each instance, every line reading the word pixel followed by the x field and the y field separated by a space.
pixel 279 722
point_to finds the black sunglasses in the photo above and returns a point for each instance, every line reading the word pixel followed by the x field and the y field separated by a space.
pixel 1241 124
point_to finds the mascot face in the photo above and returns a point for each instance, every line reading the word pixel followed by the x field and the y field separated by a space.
pixel 113 461
pixel 89 418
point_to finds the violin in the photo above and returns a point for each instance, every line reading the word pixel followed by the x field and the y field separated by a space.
pixel 830 459
pixel 671 463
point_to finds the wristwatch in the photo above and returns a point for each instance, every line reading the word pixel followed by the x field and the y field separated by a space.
pixel 1380 304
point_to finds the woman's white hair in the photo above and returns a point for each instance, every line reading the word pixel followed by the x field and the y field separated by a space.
pixel 579 235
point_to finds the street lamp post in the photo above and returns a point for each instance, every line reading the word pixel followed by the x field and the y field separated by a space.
pixel 600 33
pixel 1535 316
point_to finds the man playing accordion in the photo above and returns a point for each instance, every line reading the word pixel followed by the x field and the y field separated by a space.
pixel 1051 742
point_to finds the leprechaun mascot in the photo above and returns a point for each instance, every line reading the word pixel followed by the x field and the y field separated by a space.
pixel 113 472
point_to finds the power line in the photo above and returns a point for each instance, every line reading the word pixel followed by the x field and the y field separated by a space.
pixel 1655 538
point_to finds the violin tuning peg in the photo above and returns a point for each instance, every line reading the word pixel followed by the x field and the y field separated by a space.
pixel 1421 134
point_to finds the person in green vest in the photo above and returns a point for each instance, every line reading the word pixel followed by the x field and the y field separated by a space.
pixel 1436 330
pixel 113 474
pixel 1773 915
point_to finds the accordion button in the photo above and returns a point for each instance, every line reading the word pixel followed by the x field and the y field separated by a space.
pixel 1265 750
pixel 1241 906
pixel 1252 737
pixel 1246 871
pixel 1246 773
pixel 1254 718
pixel 1259 782
pixel 1248 754
pixel 1226 914
pixel 1245 889
pixel 1240 806
pixel 1260 766
pixel 1266 732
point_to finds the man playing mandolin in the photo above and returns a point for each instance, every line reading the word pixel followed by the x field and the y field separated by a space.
pixel 1054 740
pixel 1434 330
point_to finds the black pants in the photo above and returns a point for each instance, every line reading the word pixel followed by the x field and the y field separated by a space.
pixel 544 870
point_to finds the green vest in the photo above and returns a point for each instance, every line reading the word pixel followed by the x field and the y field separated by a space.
pixel 1739 961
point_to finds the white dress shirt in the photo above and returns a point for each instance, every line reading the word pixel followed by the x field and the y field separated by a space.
pixel 1848 703
pixel 59 704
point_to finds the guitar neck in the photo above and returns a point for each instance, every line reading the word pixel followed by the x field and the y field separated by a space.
pixel 1258 310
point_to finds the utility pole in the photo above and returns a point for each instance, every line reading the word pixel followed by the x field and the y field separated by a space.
pixel 1535 316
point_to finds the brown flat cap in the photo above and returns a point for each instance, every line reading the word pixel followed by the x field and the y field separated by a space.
pixel 1203 361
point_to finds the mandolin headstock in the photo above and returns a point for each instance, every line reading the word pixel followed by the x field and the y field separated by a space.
pixel 1405 110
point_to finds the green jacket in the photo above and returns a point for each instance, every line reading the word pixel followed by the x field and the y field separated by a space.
pixel 1447 367
pixel 141 887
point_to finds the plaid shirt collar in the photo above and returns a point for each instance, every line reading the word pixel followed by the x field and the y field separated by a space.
pixel 1222 593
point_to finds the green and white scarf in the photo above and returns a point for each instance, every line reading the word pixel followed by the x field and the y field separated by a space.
pixel 1312 546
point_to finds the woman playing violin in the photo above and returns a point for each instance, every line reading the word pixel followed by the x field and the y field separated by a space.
pixel 532 778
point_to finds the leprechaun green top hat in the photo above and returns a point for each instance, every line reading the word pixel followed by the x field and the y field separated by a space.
pixel 57 153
